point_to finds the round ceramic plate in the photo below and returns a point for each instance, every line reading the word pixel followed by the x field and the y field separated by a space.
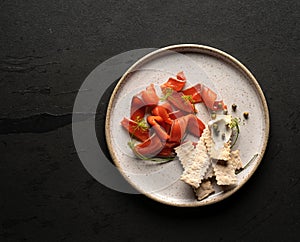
pixel 201 64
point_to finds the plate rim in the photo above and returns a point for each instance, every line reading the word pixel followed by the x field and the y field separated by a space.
pixel 211 51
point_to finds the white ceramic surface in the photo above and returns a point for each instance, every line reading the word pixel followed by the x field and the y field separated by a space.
pixel 206 65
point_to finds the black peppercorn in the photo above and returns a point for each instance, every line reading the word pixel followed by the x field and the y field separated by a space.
pixel 246 115
pixel 234 107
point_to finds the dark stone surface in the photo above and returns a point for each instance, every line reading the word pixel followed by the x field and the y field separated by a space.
pixel 49 47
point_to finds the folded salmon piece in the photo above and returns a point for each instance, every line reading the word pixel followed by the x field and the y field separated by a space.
pixel 178 100
pixel 187 123
pixel 137 108
pixel 168 150
pixel 174 84
pixel 149 96
pixel 178 129
pixel 195 125
pixel 209 98
pixel 135 129
pixel 159 130
pixel 176 114
pixel 180 76
pixel 163 113
pixel 194 92
pixel 150 147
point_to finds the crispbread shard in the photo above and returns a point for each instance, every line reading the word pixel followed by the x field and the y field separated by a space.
pixel 210 172
pixel 195 171
pixel 225 172
pixel 206 135
pixel 185 153
pixel 236 159
pixel 204 190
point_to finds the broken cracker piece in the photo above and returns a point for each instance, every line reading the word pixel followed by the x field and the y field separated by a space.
pixel 225 173
pixel 209 173
pixel 194 172
pixel 185 153
pixel 236 159
pixel 207 139
pixel 204 190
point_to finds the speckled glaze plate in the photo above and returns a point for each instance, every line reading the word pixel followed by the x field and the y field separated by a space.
pixel 217 70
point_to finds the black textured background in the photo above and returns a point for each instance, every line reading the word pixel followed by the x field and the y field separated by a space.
pixel 47 48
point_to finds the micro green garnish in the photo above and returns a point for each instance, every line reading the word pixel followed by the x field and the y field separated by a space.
pixel 247 164
pixel 131 145
pixel 188 98
pixel 167 93
pixel 234 124
pixel 141 124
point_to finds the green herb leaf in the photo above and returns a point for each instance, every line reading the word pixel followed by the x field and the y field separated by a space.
pixel 234 124
pixel 141 124
pixel 188 98
pixel 247 164
pixel 167 93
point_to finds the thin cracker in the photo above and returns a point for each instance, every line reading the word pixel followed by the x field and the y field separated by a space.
pixel 225 173
pixel 185 153
pixel 204 190
pixel 195 171
pixel 236 159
